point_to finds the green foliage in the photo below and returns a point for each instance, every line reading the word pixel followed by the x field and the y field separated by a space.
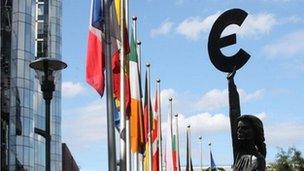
pixel 290 160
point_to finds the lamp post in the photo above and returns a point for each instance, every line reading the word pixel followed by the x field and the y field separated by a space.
pixel 201 141
pixel 45 69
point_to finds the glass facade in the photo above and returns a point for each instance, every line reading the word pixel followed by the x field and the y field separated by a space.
pixel 34 31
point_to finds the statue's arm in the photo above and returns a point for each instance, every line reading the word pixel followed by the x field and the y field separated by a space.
pixel 234 110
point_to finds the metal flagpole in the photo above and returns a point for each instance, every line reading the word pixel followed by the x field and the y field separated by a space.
pixel 170 127
pixel 201 143
pixel 128 146
pixel 189 141
pixel 159 127
pixel 149 120
pixel 190 148
pixel 122 163
pixel 110 117
pixel 141 157
pixel 210 153
pixel 0 96
pixel 177 140
pixel 139 55
pixel 134 18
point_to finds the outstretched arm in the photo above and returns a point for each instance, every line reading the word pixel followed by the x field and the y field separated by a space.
pixel 234 110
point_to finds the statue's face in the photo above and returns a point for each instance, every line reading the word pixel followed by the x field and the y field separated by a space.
pixel 245 130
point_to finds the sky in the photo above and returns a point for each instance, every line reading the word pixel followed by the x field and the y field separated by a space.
pixel 174 36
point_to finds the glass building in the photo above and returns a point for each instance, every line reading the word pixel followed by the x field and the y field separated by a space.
pixel 30 29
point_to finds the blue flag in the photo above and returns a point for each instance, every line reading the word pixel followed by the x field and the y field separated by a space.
pixel 97 14
pixel 212 166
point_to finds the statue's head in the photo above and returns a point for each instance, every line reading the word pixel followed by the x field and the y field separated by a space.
pixel 250 128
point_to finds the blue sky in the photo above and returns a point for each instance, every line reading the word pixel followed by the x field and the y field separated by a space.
pixel 174 36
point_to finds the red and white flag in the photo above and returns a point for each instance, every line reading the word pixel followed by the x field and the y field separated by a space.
pixel 156 133
pixel 95 64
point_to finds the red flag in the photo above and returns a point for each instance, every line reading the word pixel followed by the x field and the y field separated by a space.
pixel 115 38
pixel 95 64
pixel 146 112
pixel 155 133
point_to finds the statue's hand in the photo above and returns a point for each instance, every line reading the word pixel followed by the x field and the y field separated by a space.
pixel 231 74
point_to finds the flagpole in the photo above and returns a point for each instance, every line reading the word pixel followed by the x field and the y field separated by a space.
pixel 134 19
pixel 149 119
pixel 140 158
pixel 189 141
pixel 139 54
pixel 122 163
pixel 169 162
pixel 110 117
pixel 177 141
pixel 210 154
pixel 201 143
pixel 128 146
pixel 159 127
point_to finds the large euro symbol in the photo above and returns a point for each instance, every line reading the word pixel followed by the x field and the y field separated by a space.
pixel 215 42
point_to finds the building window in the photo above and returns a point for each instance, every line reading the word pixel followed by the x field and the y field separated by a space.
pixel 40 30
pixel 40 9
pixel 41 48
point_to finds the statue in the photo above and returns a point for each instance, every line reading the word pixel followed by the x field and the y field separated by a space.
pixel 249 149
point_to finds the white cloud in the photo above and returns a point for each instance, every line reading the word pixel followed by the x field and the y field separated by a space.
pixel 247 97
pixel 261 116
pixel 254 25
pixel 163 29
pixel 257 25
pixel 211 123
pixel 216 98
pixel 284 133
pixel 205 123
pixel 165 95
pixel 85 125
pixel 294 19
pixel 70 89
pixel 192 27
pixel 288 46
pixel 190 111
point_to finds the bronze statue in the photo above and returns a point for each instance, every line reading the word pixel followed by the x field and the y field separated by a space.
pixel 247 132
pixel 249 149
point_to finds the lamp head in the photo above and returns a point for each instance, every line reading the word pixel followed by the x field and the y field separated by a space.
pixel 46 69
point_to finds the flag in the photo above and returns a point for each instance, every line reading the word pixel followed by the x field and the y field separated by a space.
pixel 175 148
pixel 155 133
pixel 95 63
pixel 147 119
pixel 115 51
pixel 136 121
pixel 146 112
pixel 212 163
pixel 169 145
pixel 189 166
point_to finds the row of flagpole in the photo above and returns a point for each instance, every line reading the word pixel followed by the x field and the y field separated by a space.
pixel 132 133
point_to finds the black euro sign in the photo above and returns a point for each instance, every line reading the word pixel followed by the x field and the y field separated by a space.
pixel 215 43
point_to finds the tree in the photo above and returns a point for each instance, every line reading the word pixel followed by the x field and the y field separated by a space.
pixel 290 160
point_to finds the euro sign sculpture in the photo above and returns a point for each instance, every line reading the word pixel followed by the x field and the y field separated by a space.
pixel 248 142
pixel 215 42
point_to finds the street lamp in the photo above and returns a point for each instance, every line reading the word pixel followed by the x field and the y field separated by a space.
pixel 201 141
pixel 45 69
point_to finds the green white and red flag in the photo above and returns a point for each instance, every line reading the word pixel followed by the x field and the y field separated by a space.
pixel 175 147
pixel 136 116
